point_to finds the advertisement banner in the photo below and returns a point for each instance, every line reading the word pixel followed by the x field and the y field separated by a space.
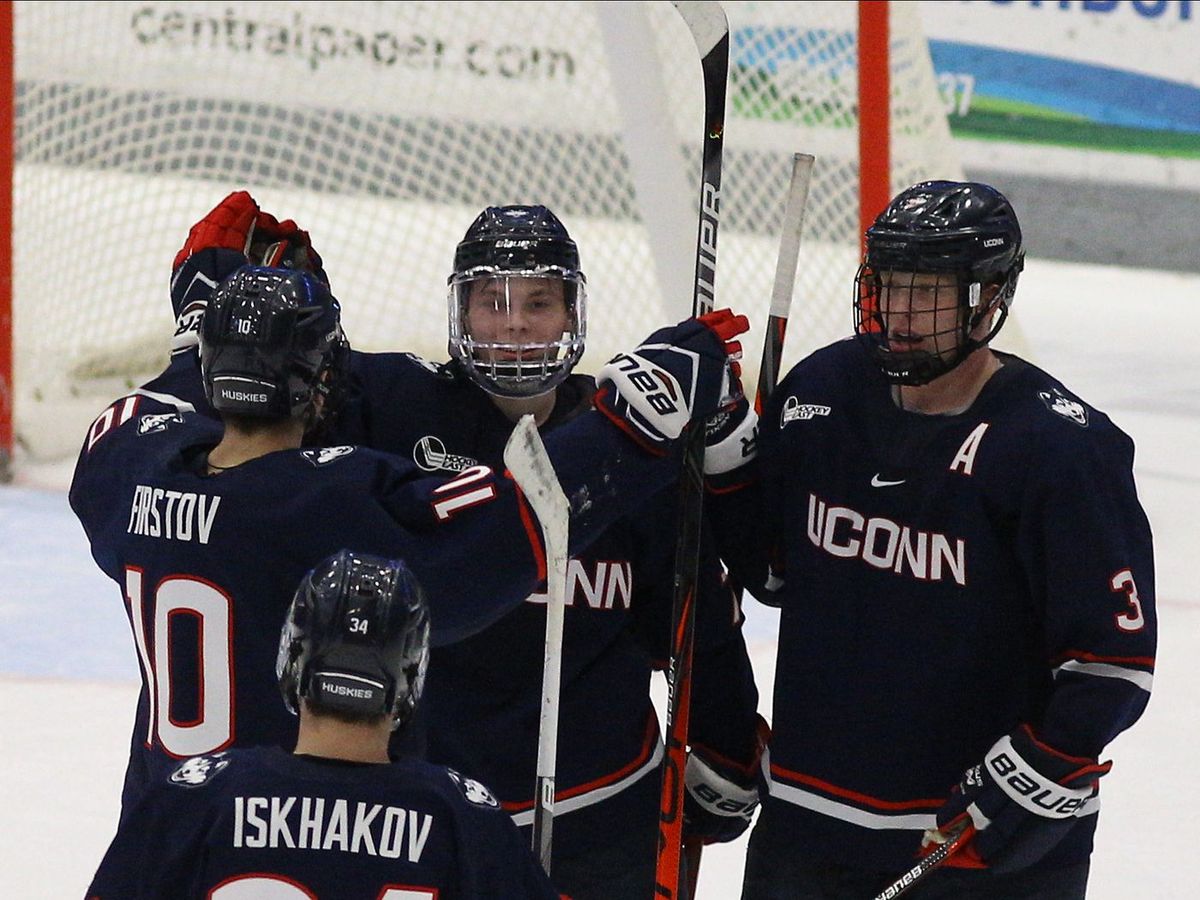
pixel 1112 75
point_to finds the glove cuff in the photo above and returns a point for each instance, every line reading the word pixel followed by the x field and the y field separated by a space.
pixel 735 449
pixel 716 793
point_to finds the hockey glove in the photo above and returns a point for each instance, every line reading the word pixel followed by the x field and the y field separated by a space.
pixel 720 798
pixel 678 375
pixel 1022 800
pixel 731 441
pixel 234 233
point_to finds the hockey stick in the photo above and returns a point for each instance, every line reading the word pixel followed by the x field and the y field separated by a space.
pixel 525 456
pixel 710 31
pixel 785 277
pixel 955 841
pixel 768 373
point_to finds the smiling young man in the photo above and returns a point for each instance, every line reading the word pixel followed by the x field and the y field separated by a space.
pixel 517 304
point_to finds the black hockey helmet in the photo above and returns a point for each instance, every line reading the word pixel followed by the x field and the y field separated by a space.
pixel 964 229
pixel 516 242
pixel 516 239
pixel 356 639
pixel 271 340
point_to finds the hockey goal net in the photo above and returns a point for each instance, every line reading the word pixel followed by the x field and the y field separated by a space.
pixel 383 128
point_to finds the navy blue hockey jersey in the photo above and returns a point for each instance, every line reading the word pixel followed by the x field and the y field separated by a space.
pixel 207 564
pixel 482 698
pixel 942 579
pixel 262 822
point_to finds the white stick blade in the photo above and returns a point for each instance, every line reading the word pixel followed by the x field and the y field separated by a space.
pixel 706 21
pixel 527 460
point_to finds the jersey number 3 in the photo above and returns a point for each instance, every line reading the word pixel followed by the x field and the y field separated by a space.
pixel 1134 619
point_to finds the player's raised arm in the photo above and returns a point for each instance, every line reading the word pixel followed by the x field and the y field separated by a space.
pixel 608 462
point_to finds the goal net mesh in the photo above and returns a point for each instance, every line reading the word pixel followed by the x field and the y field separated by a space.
pixel 384 128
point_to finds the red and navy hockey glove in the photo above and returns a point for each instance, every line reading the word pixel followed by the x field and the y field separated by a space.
pixel 721 795
pixel 233 233
pixel 1022 800
pixel 678 375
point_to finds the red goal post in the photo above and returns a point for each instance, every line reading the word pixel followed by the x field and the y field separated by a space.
pixel 383 128
pixel 6 244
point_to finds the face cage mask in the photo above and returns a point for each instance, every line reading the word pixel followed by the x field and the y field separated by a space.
pixel 952 343
pixel 516 368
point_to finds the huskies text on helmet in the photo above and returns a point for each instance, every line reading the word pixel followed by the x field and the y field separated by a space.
pixel 271 341
pixel 356 640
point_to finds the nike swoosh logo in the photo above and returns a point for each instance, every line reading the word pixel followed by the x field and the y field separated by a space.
pixel 876 481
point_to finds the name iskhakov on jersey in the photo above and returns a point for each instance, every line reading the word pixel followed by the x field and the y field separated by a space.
pixel 312 823
pixel 172 515
pixel 884 544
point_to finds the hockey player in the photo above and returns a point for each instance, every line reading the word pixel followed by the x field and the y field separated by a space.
pixel 332 819
pixel 207 525
pixel 517 313
pixel 517 328
pixel 965 578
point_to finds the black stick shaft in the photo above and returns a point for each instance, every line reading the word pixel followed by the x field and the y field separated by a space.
pixel 710 29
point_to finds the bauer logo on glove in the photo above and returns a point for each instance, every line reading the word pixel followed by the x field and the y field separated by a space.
pixel 679 375
pixel 657 405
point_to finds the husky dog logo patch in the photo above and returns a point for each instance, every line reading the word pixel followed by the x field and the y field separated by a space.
pixel 1058 402
pixel 198 770
pixel 152 424
pixel 474 791
pixel 324 455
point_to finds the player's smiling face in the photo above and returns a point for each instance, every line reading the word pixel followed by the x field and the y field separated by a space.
pixel 517 310
pixel 920 311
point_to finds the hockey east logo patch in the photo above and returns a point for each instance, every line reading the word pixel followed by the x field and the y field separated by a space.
pixel 430 454
pixel 321 456
pixel 795 411
pixel 199 770
pixel 1058 402
pixel 474 791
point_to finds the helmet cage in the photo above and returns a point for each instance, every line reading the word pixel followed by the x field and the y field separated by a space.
pixel 967 231
pixel 510 368
pixel 356 640
pixel 951 344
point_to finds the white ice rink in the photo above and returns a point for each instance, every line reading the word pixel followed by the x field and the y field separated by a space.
pixel 1123 339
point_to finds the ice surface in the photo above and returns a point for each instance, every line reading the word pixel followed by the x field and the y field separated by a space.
pixel 1122 339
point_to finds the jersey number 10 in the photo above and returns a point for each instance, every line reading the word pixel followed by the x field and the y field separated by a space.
pixel 181 595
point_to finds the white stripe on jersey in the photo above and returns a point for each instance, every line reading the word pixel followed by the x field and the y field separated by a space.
pixel 1106 670
pixel 852 814
pixel 602 793
pixel 170 400
pixel 878 821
